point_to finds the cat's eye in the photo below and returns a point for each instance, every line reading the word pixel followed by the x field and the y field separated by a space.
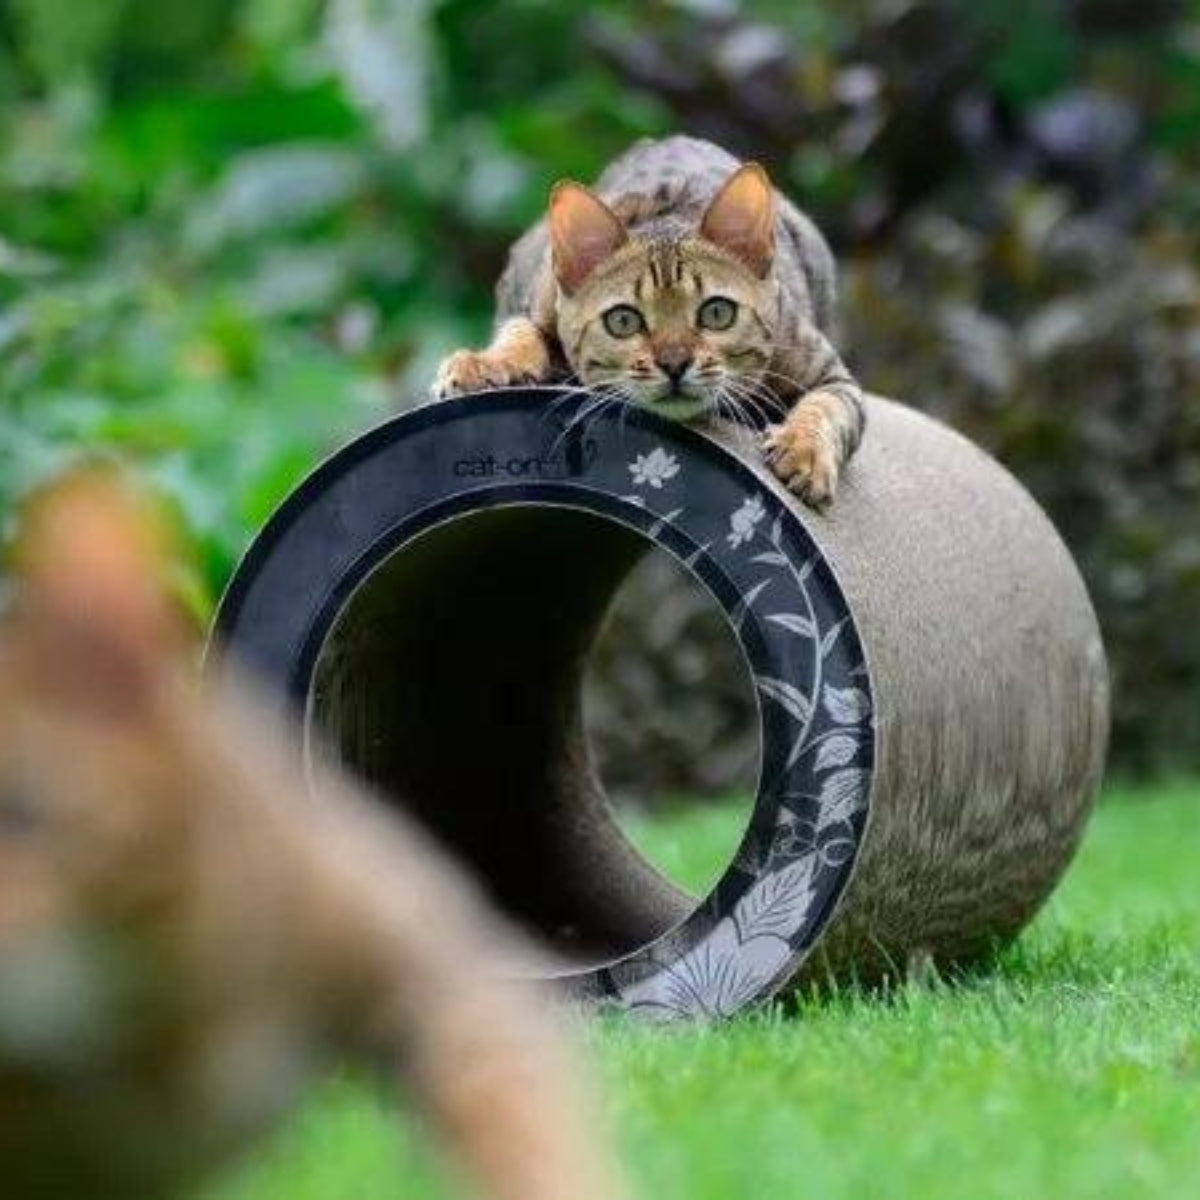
pixel 717 312
pixel 623 321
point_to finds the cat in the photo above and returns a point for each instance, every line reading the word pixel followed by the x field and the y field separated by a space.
pixel 686 283
pixel 187 935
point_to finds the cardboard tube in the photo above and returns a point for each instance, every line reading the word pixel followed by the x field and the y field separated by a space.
pixel 931 682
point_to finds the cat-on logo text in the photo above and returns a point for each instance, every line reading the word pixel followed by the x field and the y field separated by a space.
pixel 573 459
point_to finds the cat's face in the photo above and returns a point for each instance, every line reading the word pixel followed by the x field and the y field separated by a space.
pixel 684 326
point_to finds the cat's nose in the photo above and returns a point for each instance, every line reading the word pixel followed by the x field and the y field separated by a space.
pixel 673 361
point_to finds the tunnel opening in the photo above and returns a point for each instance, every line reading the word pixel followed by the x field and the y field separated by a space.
pixel 453 679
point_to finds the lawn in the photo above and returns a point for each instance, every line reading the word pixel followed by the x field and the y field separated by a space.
pixel 1073 1071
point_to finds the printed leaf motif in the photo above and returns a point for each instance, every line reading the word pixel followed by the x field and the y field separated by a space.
pixel 797 749
pixel 787 696
pixel 746 602
pixel 728 957
pixel 794 623
pixel 778 903
pixel 667 519
pixel 843 794
pixel 830 639
pixel 837 751
pixel 847 706
pixel 716 979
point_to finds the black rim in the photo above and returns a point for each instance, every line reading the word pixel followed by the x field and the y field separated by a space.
pixel 689 495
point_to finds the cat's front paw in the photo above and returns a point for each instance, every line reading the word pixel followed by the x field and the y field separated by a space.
pixel 475 370
pixel 802 451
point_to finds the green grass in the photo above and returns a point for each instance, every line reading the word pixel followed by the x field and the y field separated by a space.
pixel 692 846
pixel 1072 1071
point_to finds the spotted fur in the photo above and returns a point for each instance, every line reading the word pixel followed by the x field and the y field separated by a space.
pixel 668 226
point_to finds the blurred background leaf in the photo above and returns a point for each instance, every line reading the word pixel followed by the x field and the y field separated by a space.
pixel 234 232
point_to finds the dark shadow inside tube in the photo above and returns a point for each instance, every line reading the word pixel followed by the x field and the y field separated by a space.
pixel 452 679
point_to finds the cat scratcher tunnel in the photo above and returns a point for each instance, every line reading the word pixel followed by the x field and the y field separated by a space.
pixel 931 685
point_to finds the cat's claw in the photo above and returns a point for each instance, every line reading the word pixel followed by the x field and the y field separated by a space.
pixel 802 455
pixel 473 371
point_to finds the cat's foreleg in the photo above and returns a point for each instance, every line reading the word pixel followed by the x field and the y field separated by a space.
pixel 811 445
pixel 519 353
pixel 426 964
pixel 498 1082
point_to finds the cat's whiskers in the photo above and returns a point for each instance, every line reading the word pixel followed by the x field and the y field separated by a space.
pixel 598 397
pixel 728 401
pixel 569 392
pixel 626 405
pixel 750 401
pixel 756 379
pixel 607 392
pixel 627 401
pixel 775 406
pixel 725 405
pixel 587 411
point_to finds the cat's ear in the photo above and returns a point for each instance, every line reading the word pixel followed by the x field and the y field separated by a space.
pixel 584 231
pixel 741 218
pixel 93 611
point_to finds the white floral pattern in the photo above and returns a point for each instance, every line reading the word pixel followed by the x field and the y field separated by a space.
pixel 745 953
pixel 755 554
pixel 750 935
pixel 653 469
pixel 744 521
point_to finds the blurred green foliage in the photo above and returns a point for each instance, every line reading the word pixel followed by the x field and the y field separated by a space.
pixel 233 232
